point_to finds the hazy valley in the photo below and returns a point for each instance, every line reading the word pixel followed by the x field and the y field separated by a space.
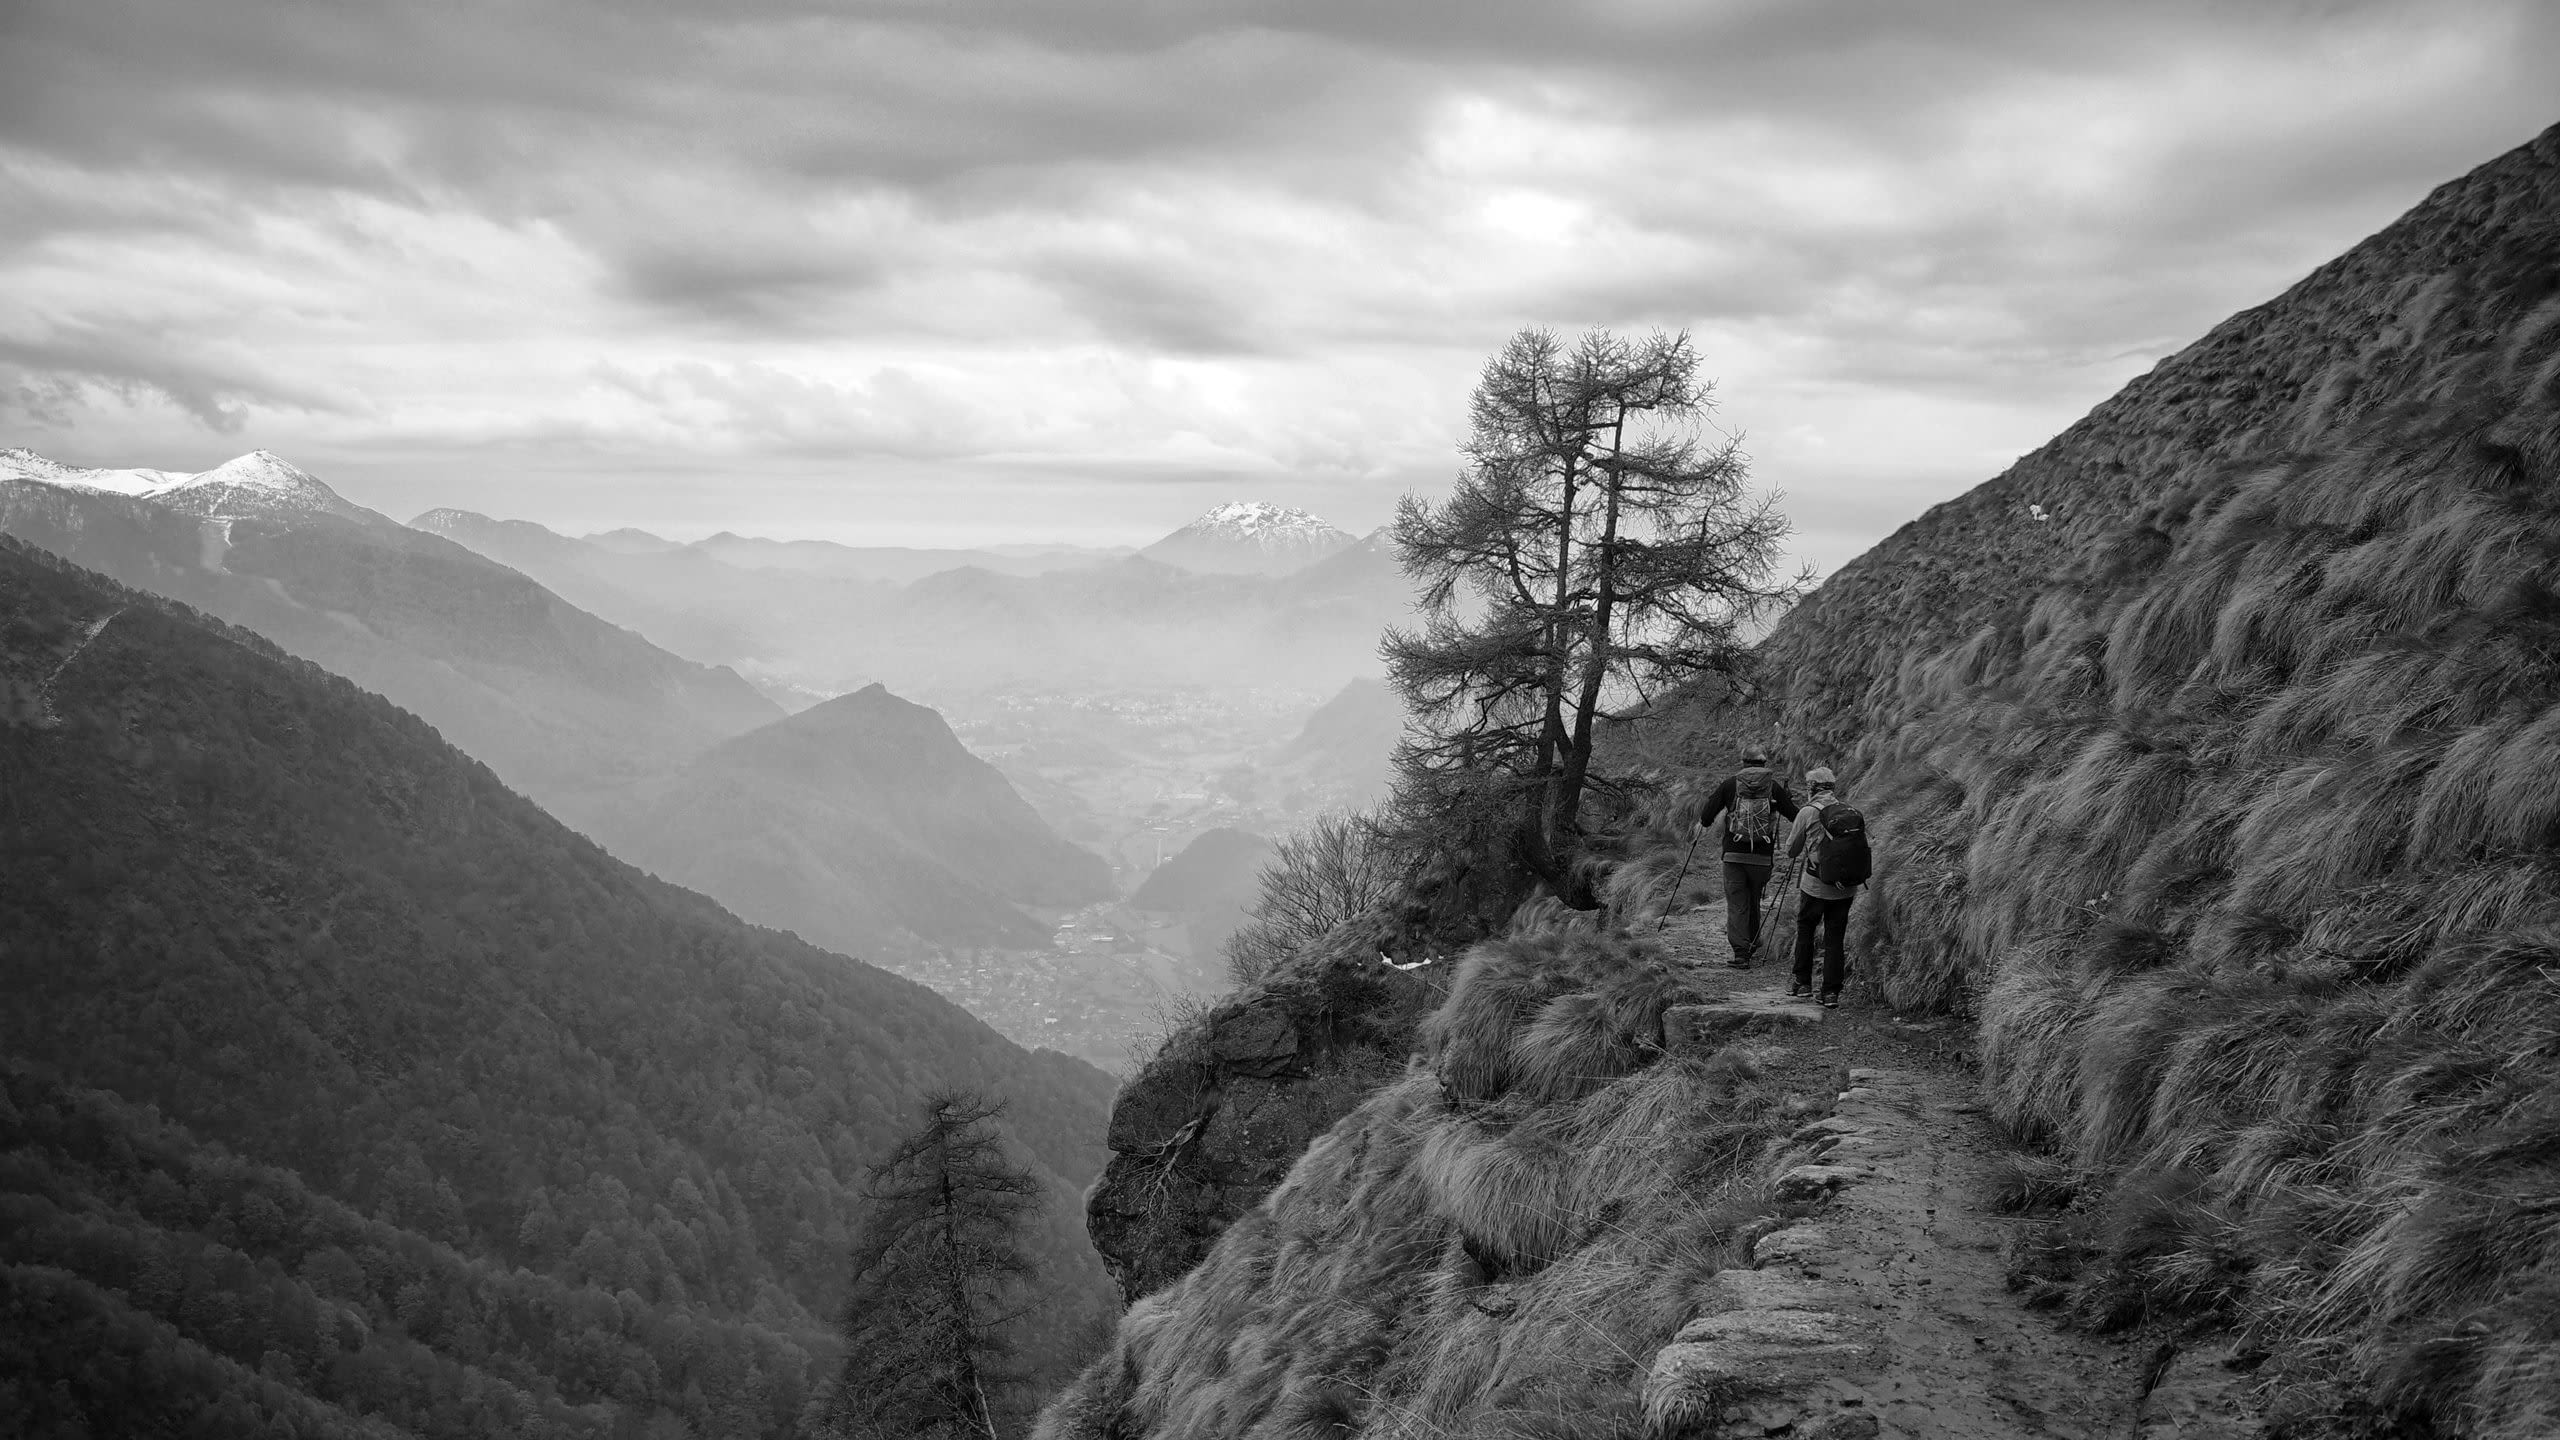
pixel 747 717
pixel 1754 905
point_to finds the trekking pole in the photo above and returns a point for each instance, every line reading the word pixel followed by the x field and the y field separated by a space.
pixel 1674 897
pixel 1778 905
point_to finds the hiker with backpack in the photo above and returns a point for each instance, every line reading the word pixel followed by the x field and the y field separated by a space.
pixel 1832 839
pixel 1751 801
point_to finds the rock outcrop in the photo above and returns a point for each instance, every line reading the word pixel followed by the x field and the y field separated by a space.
pixel 1217 1117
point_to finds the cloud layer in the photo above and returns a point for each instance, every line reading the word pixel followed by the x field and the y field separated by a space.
pixel 976 271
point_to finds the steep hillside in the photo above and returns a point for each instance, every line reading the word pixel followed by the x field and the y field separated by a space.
pixel 555 700
pixel 1347 747
pixel 1493 1245
pixel 340 1076
pixel 855 822
pixel 2224 803
pixel 1217 868
pixel 1210 884
pixel 2228 803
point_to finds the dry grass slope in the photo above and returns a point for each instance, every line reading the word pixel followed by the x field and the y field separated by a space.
pixel 2231 808
pixel 2228 803
pixel 1493 1245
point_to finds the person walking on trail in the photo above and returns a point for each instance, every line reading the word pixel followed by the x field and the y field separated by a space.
pixel 1831 838
pixel 1751 801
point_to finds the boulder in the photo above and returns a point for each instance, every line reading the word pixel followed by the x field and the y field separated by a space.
pixel 1256 1040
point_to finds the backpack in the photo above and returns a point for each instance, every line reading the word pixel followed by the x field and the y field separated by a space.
pixel 1751 823
pixel 1841 856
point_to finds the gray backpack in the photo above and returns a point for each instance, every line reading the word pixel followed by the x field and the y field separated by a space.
pixel 1752 822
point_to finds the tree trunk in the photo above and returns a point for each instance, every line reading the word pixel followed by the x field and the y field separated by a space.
pixel 1538 840
pixel 964 1361
pixel 1565 818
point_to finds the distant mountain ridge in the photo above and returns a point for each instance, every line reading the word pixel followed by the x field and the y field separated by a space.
pixel 559 702
pixel 991 624
pixel 854 822
pixel 1220 867
pixel 860 823
pixel 751 554
pixel 1250 537
pixel 455 1115
pixel 259 485
pixel 1348 745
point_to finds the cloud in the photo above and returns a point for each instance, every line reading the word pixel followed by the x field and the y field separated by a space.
pixel 1125 241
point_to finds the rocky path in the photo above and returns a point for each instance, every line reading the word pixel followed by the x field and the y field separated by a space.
pixel 1885 1313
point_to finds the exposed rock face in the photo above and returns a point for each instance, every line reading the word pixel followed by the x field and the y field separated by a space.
pixel 1216 1119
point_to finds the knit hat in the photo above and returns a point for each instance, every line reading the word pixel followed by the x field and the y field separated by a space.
pixel 1820 776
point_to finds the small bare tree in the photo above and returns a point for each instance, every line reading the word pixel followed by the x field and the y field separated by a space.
pixel 1340 867
pixel 1600 547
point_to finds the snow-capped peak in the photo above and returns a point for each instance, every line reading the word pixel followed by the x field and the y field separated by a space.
pixel 259 467
pixel 1252 517
pixel 1249 535
pixel 24 464
pixel 261 485
pixel 20 462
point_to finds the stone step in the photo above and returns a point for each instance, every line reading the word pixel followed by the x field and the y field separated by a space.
pixel 1702 1027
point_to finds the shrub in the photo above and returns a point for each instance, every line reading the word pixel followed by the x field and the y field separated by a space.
pixel 1340 868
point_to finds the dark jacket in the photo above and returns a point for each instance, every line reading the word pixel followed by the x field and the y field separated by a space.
pixel 1765 852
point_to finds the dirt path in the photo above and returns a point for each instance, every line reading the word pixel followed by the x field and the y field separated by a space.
pixel 1886 1313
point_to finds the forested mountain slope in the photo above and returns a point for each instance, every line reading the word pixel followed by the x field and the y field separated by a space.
pixel 344 1084
pixel 859 821
pixel 555 700
pixel 2228 802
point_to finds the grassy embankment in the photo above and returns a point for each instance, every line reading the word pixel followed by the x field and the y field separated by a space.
pixel 2232 814
pixel 1493 1245
pixel 2227 802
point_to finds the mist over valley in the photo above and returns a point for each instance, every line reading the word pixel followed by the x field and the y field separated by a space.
pixel 958 765
pixel 1137 722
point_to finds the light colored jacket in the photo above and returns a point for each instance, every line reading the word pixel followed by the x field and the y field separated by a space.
pixel 1799 843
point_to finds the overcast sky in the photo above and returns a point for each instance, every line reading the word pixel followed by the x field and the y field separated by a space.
pixel 951 271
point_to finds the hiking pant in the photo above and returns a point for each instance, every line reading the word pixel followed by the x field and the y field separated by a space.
pixel 1743 885
pixel 1833 917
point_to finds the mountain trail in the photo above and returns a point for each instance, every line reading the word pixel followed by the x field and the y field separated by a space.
pixel 1887 1312
pixel 47 718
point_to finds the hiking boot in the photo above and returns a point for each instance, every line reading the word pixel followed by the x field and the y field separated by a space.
pixel 1738 962
pixel 1798 990
pixel 1830 999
